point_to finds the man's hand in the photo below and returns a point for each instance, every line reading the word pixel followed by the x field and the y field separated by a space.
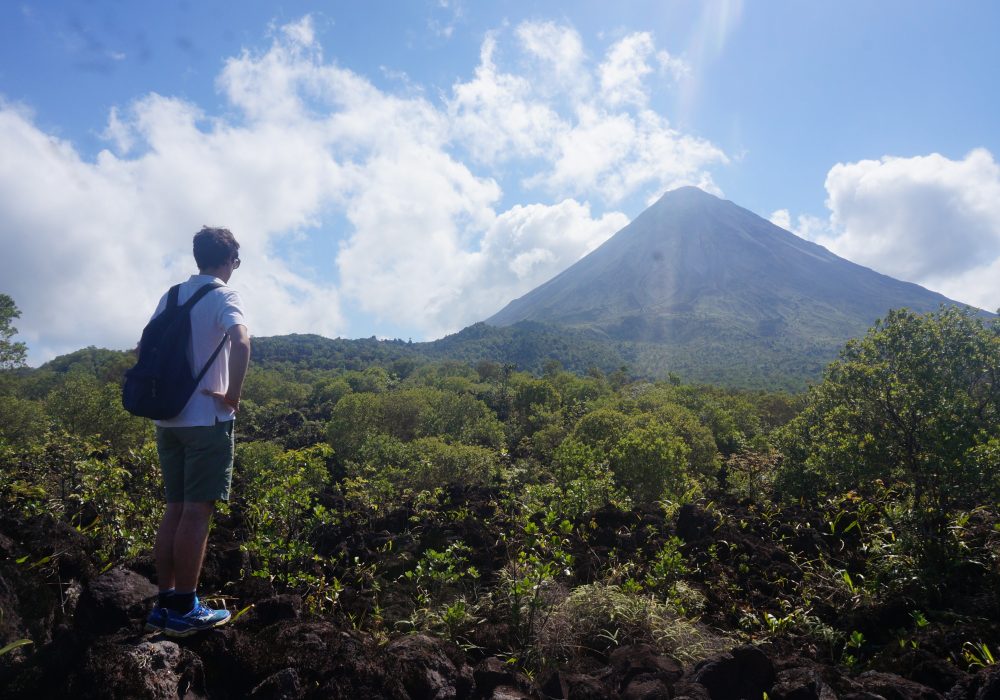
pixel 219 396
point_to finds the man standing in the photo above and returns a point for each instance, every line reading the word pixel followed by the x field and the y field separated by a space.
pixel 196 447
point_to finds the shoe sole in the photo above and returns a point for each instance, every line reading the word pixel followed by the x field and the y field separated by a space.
pixel 193 630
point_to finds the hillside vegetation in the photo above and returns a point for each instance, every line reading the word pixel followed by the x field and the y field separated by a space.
pixel 412 527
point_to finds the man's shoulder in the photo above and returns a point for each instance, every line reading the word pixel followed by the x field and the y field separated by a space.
pixel 228 295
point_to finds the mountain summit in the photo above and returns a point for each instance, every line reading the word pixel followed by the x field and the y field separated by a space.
pixel 709 288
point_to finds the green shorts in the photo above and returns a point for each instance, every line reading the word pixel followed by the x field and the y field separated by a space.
pixel 196 462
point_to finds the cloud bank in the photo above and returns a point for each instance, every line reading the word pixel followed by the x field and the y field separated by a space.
pixel 405 190
pixel 927 219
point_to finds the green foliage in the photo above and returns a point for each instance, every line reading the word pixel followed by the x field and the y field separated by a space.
pixel 650 463
pixel 409 414
pixel 70 478
pixel 98 363
pixel 22 421
pixel 279 495
pixel 538 557
pixel 437 570
pixel 602 428
pixel 667 566
pixel 977 655
pixel 12 354
pixel 16 644
pixel 437 463
pixel 87 408
pixel 915 403
pixel 545 461
pixel 354 418
pixel 750 474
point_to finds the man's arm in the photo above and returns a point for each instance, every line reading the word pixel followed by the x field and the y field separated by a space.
pixel 239 361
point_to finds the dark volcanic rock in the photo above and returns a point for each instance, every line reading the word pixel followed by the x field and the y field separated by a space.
pixel 746 672
pixel 926 668
pixel 691 690
pixel 283 685
pixel 341 664
pixel 506 692
pixel 801 684
pixel 428 667
pixel 646 689
pixel 893 687
pixel 565 685
pixel 578 685
pixel 272 610
pixel 491 673
pixel 641 663
pixel 694 523
pixel 113 600
pixel 985 685
pixel 157 670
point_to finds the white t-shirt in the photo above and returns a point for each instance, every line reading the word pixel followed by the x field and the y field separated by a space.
pixel 211 317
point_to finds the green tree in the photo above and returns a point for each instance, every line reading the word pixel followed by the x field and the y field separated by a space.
pixel 87 408
pixel 916 404
pixel 354 418
pixel 12 354
pixel 650 463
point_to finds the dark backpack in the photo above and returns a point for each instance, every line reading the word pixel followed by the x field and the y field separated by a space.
pixel 161 383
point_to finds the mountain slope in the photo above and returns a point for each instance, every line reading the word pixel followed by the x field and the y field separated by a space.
pixel 709 289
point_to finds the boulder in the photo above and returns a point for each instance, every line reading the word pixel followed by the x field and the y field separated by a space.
pixel 491 673
pixel 271 610
pixel 283 685
pixel 984 685
pixel 507 692
pixel 646 689
pixel 801 684
pixel 893 687
pixel 115 599
pixel 644 662
pixel 745 672
pixel 566 685
pixel 149 670
pixel 428 667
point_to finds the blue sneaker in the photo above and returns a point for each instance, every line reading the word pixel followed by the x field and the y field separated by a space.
pixel 157 619
pixel 201 617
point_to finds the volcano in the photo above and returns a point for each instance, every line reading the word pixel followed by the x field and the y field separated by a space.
pixel 710 290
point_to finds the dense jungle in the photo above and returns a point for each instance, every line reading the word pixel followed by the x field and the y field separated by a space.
pixel 402 527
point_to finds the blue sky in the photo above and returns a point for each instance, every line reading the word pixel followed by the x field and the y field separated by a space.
pixel 404 169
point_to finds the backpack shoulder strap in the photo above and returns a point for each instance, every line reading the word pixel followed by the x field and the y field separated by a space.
pixel 201 291
pixel 195 298
pixel 172 296
pixel 215 354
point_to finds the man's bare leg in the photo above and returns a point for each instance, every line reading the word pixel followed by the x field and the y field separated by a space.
pixel 163 549
pixel 190 539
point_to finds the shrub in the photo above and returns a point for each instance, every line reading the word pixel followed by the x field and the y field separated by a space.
pixel 598 617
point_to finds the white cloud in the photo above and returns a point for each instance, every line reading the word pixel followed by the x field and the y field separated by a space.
pixel 89 247
pixel 558 56
pixel 811 228
pixel 450 14
pixel 526 246
pixel 598 142
pixel 405 189
pixel 927 219
pixel 494 115
pixel 782 218
pixel 627 64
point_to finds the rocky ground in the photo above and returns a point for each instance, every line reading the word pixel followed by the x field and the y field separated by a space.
pixel 757 632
